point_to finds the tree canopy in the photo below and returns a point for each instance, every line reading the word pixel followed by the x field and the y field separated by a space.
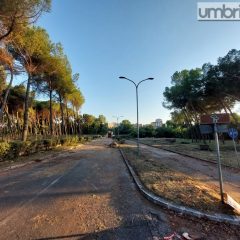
pixel 28 50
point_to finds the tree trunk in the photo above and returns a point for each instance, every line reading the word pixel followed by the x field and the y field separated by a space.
pixel 67 125
pixel 26 108
pixel 5 98
pixel 189 123
pixel 62 115
pixel 51 115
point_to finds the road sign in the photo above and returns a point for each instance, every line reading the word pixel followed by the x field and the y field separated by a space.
pixel 222 118
pixel 214 118
pixel 233 133
pixel 222 128
pixel 207 128
pixel 231 202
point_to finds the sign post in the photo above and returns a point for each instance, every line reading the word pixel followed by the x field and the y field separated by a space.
pixel 215 119
pixel 233 133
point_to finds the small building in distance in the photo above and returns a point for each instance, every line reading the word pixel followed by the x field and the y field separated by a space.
pixel 158 123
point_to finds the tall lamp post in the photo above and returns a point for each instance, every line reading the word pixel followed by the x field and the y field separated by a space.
pixel 136 86
pixel 118 117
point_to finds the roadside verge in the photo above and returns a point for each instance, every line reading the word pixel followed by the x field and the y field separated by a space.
pixel 178 208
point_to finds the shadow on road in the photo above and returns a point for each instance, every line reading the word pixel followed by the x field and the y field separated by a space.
pixel 133 231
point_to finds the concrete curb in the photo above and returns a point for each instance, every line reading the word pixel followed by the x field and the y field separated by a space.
pixel 186 155
pixel 223 218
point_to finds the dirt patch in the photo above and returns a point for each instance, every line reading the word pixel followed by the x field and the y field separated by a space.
pixel 174 185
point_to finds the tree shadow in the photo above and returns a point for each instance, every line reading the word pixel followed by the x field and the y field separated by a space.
pixel 134 231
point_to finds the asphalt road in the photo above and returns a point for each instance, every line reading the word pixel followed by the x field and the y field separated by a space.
pixel 87 193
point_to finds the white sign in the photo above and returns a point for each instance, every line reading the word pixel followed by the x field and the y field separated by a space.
pixel 231 202
pixel 215 118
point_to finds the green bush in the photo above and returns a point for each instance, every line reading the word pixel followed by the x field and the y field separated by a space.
pixel 74 140
pixel 166 132
pixel 55 142
pixel 18 148
pixel 63 141
pixel 15 149
pixel 47 143
pixel 4 149
pixel 36 146
pixel 81 139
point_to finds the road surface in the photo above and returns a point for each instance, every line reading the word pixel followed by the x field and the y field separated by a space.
pixel 87 193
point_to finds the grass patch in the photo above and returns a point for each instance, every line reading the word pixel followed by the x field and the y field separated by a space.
pixel 174 185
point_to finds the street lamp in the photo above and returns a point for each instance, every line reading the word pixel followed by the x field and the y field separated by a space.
pixel 118 117
pixel 136 86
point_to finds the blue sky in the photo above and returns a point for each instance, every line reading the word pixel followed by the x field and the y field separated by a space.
pixel 105 39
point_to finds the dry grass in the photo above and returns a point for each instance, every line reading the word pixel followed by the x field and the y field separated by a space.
pixel 173 185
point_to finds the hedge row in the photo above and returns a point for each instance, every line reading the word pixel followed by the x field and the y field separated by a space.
pixel 12 150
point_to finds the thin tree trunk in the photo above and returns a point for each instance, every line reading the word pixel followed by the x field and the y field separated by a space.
pixel 50 110
pixel 62 115
pixel 6 97
pixel 189 123
pixel 67 126
pixel 26 110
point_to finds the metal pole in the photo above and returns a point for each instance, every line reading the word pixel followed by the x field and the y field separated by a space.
pixel 235 148
pixel 137 121
pixel 118 127
pixel 219 162
pixel 136 86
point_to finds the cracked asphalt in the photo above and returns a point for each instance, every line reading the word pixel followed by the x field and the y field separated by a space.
pixel 87 193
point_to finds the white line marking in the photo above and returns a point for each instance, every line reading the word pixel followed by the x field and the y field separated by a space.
pixel 3 222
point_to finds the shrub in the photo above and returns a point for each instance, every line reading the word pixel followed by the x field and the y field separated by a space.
pixel 4 149
pixel 36 146
pixel 81 139
pixel 19 148
pixel 74 140
pixel 166 132
pixel 47 143
pixel 15 149
pixel 63 140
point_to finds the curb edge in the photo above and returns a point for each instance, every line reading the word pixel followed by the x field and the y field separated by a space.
pixel 217 217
